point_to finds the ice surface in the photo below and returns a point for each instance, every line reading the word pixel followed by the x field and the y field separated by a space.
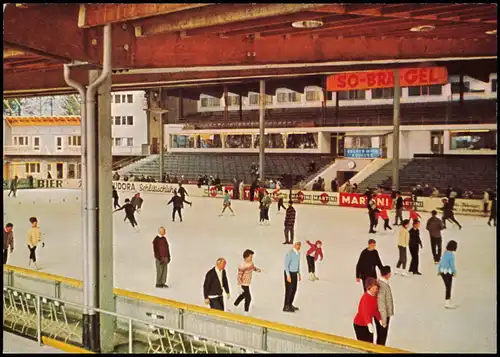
pixel 421 323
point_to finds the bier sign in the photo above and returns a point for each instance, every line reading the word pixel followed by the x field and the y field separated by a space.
pixel 408 77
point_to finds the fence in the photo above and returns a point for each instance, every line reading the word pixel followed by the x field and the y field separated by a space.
pixel 199 324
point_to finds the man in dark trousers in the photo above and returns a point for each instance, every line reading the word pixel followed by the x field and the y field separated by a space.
pixel 289 223
pixel 162 258
pixel 372 214
pixel 435 226
pixel 13 186
pixel 215 281
pixel 137 202
pixel 493 211
pixel 415 245
pixel 448 213
pixel 292 277
pixel 385 304
pixel 177 202
pixel 183 193
pixel 8 241
pixel 368 260
pixel 334 185
pixel 115 199
pixel 399 209
pixel 253 187
pixel 129 213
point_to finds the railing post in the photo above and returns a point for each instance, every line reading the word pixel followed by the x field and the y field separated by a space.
pixel 181 319
pixel 38 320
pixel 130 337
pixel 11 279
pixel 264 339
pixel 57 289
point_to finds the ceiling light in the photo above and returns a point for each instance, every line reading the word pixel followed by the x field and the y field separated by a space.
pixel 491 32
pixel 423 28
pixel 308 24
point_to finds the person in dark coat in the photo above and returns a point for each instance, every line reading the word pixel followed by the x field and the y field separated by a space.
pixel 372 215
pixel 399 209
pixel 13 186
pixel 493 212
pixel 183 193
pixel 415 245
pixel 236 189
pixel 448 213
pixel 215 282
pixel 162 258
pixel 115 199
pixel 177 201
pixel 253 187
pixel 137 202
pixel 435 226
pixel 129 213
pixel 289 223
pixel 368 260
pixel 334 185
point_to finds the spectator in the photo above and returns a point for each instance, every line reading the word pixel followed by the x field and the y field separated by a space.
pixel 164 178
pixel 486 202
pixel 116 176
pixel 312 167
pixel 427 191
pixel 215 282
pixel 435 192
pixel 8 241
pixel 348 187
pixel 292 277
pixel 13 186
pixel 334 185
pixel 367 310
pixel 385 304
pixel 242 190
pixel 162 257
pixel 354 188
pixel 236 191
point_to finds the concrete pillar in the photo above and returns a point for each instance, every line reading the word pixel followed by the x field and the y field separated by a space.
pixel 104 216
pixel 395 136
pixel 262 111
pixel 162 144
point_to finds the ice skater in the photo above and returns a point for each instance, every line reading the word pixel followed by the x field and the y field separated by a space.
pixel 115 199
pixel 292 277
pixel 414 216
pixel 372 212
pixel 368 260
pixel 215 284
pixel 137 202
pixel 34 237
pixel 385 216
pixel 399 209
pixel 8 241
pixel 177 201
pixel 493 212
pixel 13 186
pixel 245 271
pixel 281 199
pixel 415 245
pixel 448 213
pixel 265 203
pixel 226 203
pixel 448 271
pixel 183 193
pixel 129 213
pixel 315 251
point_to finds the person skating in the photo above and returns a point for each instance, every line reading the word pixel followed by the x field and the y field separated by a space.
pixel 414 216
pixel 372 213
pixel 292 277
pixel 215 281
pixel 435 226
pixel 448 214
pixel 177 201
pixel 368 260
pixel 253 187
pixel 264 208
pixel 493 213
pixel 161 251
pixel 129 213
pixel 13 186
pixel 244 279
pixel 385 216
pixel 242 190
pixel 399 209
pixel 403 241
pixel 385 304
pixel 415 245
pixel 115 198
pixel 486 202
pixel 34 237
pixel 290 215
pixel 446 269
pixel 281 199
pixel 226 203
pixel 367 311
pixel 183 193
pixel 8 241
pixel 315 251
pixel 137 202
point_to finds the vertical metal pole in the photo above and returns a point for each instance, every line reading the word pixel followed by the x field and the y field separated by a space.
pixel 38 320
pixel 337 118
pixel 130 336
pixel 162 145
pixel 226 104
pixel 241 107
pixel 395 134
pixel 262 109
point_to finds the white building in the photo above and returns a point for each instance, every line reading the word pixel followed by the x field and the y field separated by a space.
pixel 52 145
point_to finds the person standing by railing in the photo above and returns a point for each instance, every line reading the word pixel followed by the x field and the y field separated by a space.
pixel 215 282
pixel 8 241
pixel 162 257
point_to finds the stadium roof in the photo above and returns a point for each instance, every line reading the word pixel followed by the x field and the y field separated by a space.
pixel 174 45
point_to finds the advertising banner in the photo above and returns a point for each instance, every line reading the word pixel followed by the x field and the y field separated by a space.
pixel 363 153
pixel 359 200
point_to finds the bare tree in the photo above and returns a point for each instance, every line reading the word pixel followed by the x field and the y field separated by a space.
pixel 70 105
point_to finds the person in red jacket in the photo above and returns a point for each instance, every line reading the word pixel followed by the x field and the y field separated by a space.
pixel 367 310
pixel 414 216
pixel 382 213
pixel 315 251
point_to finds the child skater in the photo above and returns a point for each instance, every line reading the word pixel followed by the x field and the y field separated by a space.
pixel 226 203
pixel 315 251
pixel 414 216
pixel 382 213
pixel 245 271
pixel 129 213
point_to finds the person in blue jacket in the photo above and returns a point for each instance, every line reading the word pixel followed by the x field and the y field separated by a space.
pixel 446 269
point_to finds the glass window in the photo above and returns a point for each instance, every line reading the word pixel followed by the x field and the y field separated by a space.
pixel 21 140
pixel 425 90
pixel 15 140
pixel 455 87
pixel 313 95
pixel 33 168
pixel 130 142
pixel 36 143
pixel 118 141
pixel 384 93
pixel 352 94
pixel 243 141
pixel 253 99
pixel 204 102
pixel 79 171
pixel 182 141
pixel 470 140
pixel 117 99
pixel 272 141
pixel 124 120
pixel 130 120
pixel 233 100
pixel 117 121
pixel 71 171
pixel 209 141
pixel 59 141
pixel 130 98
pixel 494 85
pixel 124 98
pixel 214 102
pixel 302 141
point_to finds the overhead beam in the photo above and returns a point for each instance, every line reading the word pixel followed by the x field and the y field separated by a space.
pixel 101 14
pixel 217 15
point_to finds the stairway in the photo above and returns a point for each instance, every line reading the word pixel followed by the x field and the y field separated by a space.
pixel 381 175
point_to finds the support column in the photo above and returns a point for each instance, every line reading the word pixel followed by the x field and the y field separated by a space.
pixel 323 102
pixel 226 104
pixel 161 143
pixel 181 105
pixel 462 87
pixel 337 98
pixel 395 135
pixel 241 107
pixel 262 111
pixel 105 215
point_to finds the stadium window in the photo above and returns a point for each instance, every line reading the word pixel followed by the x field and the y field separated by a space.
pixel 32 168
pixel 20 140
pixel 214 102
pixel 253 99
pixel 493 85
pixel 117 99
pixel 313 96
pixel 78 170
pixel 425 90
pixel 117 121
pixel 74 140
pixel 233 100
pixel 130 98
pixel 124 98
pixel 124 120
pixel 352 94
pixel 130 120
pixel 118 142
pixel 204 102
pixel 36 143
pixel 282 97
pixel 71 171
pixel 384 93
pixel 455 87
pixel 59 143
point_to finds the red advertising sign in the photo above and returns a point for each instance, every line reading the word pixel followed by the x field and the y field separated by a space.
pixel 324 198
pixel 359 200
pixel 213 191
pixel 408 77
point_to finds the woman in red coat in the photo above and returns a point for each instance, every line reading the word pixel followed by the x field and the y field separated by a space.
pixel 367 310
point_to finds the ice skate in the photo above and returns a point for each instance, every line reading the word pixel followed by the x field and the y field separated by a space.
pixel 311 276
pixel 404 273
pixel 397 272
pixel 315 277
pixel 449 305
pixel 36 266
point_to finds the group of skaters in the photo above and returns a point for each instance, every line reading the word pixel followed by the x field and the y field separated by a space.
pixel 34 238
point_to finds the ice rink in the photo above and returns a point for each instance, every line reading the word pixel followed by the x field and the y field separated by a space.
pixel 421 323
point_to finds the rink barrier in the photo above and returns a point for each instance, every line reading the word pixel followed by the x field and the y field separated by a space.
pixel 66 347
pixel 269 336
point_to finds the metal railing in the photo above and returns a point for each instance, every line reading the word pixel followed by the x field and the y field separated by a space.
pixel 213 325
